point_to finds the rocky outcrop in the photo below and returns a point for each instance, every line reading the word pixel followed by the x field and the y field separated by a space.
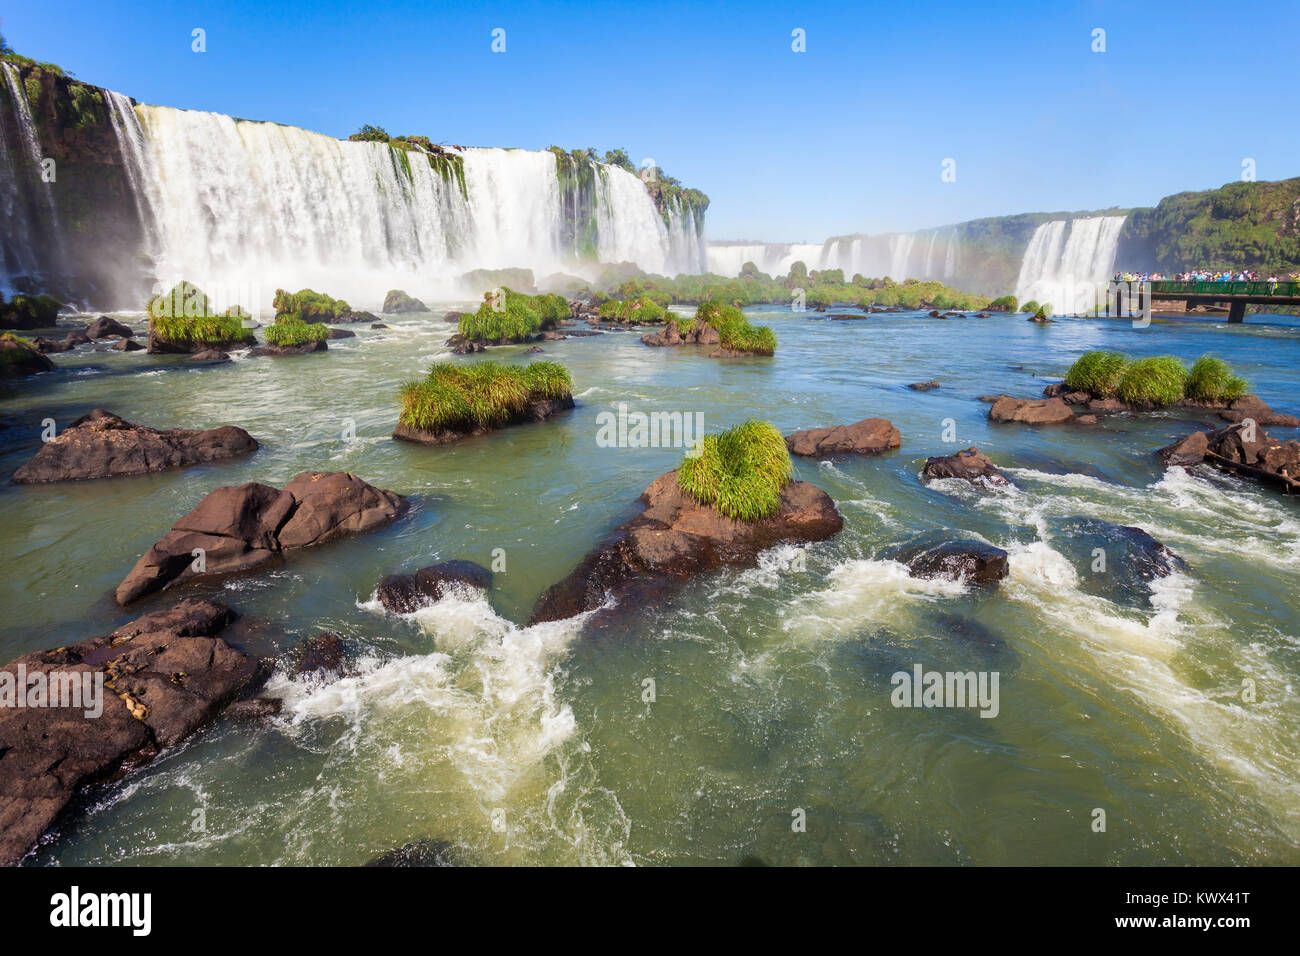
pixel 102 445
pixel 969 465
pixel 970 561
pixel 1030 411
pixel 104 327
pixel 280 351
pixel 160 678
pixel 924 386
pixel 242 527
pixel 161 346
pixel 537 411
pixel 1241 450
pixel 700 334
pixel 1118 562
pixel 871 436
pixel 18 357
pixel 1252 407
pixel 676 536
pixel 404 593
pixel 397 302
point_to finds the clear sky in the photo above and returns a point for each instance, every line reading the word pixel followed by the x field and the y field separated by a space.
pixel 849 136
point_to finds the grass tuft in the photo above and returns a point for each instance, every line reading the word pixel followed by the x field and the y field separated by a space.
pixel 740 472
pixel 289 331
pixel 642 310
pixel 1212 380
pixel 735 332
pixel 483 395
pixel 523 317
pixel 1158 380
pixel 308 306
pixel 1097 373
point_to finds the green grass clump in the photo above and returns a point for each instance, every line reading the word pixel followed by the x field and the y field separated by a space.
pixel 1031 307
pixel 309 306
pixel 1097 373
pixel 1158 381
pixel 523 317
pixel 735 332
pixel 1211 380
pixel 642 310
pixel 482 395
pixel 740 472
pixel 289 330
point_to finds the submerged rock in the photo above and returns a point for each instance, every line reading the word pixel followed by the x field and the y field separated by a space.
pixel 102 445
pixel 676 536
pixel 420 853
pixel 211 355
pixel 970 465
pixel 128 345
pixel 279 351
pixel 924 386
pixel 973 562
pixel 242 527
pixel 1117 562
pixel 323 654
pixel 871 436
pixel 164 675
pixel 404 593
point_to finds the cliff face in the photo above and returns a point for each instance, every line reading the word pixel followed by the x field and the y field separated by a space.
pixel 73 227
pixel 1245 225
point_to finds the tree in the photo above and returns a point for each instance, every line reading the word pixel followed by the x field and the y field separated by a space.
pixel 370 134
pixel 619 157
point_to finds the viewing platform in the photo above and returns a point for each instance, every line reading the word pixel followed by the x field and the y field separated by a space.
pixel 1127 296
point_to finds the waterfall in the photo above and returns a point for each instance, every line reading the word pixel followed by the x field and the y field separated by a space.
pixel 1066 269
pixel 24 224
pixel 141 177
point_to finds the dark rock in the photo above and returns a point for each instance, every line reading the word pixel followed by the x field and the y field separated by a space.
pixel 73 339
pixel 102 445
pixel 422 853
pixel 404 593
pixel 256 708
pixel 463 346
pixel 1108 406
pixel 1085 419
pixel 1187 451
pixel 103 327
pixel 128 345
pixel 342 334
pixel 1056 390
pixel 279 351
pixel 973 562
pixel 1250 406
pixel 924 386
pixel 871 436
pixel 1117 562
pixel 211 355
pixel 160 346
pixel 534 350
pixel 397 302
pixel 243 527
pixel 1029 411
pixel 44 345
pixel 322 654
pixel 453 317
pixel 378 325
pixel 537 411
pixel 353 315
pixel 164 676
pixel 676 536
pixel 19 358
pixel 970 465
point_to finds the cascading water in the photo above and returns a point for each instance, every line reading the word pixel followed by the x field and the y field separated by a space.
pixel 1066 270
pixel 138 164
pixel 26 199
pixel 247 206
pixel 895 255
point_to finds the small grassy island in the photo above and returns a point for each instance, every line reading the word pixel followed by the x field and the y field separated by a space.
pixel 292 332
pixel 29 311
pixel 182 320
pixel 724 326
pixel 455 401
pixel 510 317
pixel 740 472
pixel 306 305
pixel 642 310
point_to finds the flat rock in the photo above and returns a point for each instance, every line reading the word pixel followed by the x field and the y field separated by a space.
pixel 871 436
pixel 970 465
pixel 1030 411
pixel 675 536
pixel 243 527
pixel 1252 407
pixel 102 445
pixel 164 675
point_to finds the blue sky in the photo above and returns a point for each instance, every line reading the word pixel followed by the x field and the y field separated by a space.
pixel 849 136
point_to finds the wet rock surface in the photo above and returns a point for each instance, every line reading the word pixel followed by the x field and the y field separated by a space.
pixel 871 436
pixel 969 465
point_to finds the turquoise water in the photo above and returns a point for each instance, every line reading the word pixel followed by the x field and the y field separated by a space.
pixel 772 684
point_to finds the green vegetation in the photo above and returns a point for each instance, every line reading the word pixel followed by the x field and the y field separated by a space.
pixel 1211 380
pixel 643 310
pixel 735 332
pixel 1097 373
pixel 449 165
pixel 29 311
pixel 308 306
pixel 370 134
pixel 183 316
pixel 740 472
pixel 482 395
pixel 1158 380
pixel 1031 307
pixel 289 330
pixel 1005 303
pixel 516 319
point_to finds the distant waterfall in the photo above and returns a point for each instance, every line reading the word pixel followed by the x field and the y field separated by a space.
pixel 929 254
pixel 1065 262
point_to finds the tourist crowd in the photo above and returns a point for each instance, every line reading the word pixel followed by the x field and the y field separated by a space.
pixel 1200 275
